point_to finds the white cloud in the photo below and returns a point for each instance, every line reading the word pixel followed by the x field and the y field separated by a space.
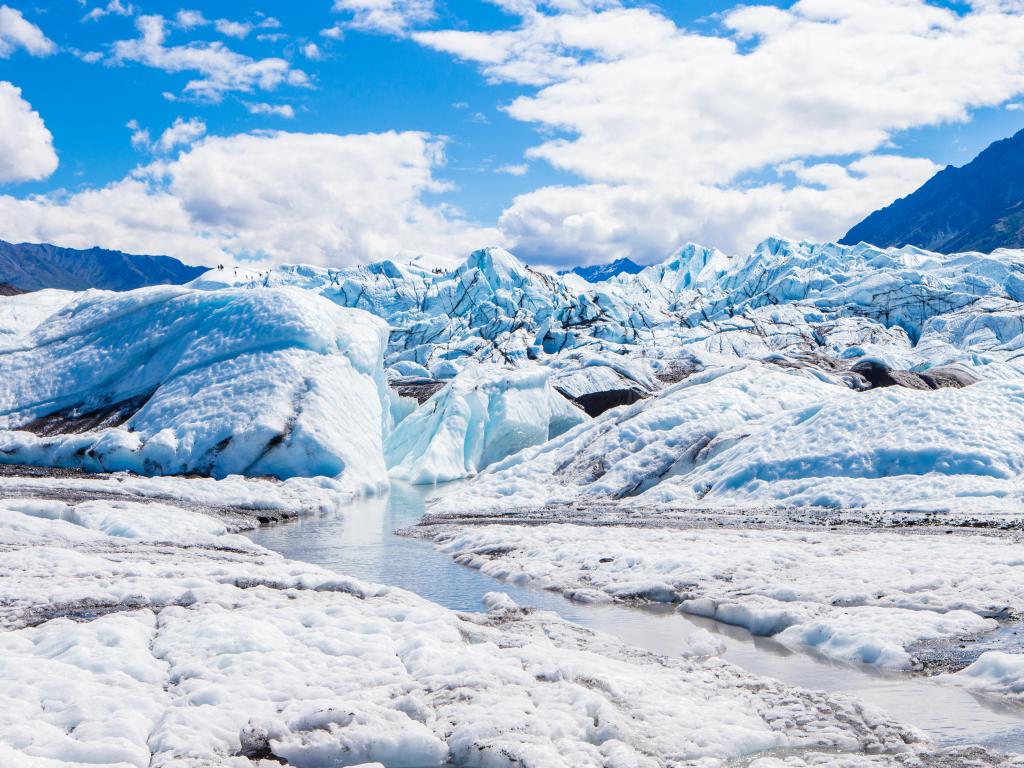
pixel 114 7
pixel 180 133
pixel 17 32
pixel 230 28
pixel 26 146
pixel 269 22
pixel 651 116
pixel 519 169
pixel 319 198
pixel 337 32
pixel 601 222
pixel 220 68
pixel 278 110
pixel 140 136
pixel 311 51
pixel 388 16
pixel 188 19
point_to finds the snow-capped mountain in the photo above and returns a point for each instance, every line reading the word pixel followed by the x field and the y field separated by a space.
pixel 33 266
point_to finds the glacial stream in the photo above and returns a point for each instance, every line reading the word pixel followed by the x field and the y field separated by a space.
pixel 359 541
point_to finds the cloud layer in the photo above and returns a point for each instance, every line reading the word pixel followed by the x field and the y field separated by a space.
pixel 664 125
pixel 316 198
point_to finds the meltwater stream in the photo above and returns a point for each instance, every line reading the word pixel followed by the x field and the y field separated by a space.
pixel 359 541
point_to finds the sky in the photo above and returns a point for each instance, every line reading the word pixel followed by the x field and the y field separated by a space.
pixel 338 132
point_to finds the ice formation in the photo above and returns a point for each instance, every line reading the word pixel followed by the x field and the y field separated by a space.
pixel 482 416
pixel 267 382
pixel 749 372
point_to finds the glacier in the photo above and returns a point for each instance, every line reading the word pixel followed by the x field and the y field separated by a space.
pixel 815 442
pixel 301 371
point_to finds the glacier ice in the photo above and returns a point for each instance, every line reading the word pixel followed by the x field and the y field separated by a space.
pixel 268 382
pixel 303 370
pixel 481 416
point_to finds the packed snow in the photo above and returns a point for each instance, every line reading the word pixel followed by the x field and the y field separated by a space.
pixel 994 673
pixel 143 634
pixel 867 597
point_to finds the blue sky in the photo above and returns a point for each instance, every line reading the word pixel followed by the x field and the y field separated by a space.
pixel 570 131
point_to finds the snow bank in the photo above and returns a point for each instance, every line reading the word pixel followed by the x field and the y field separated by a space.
pixel 239 500
pixel 865 597
pixel 951 449
pixel 259 382
pixel 480 417
pixel 124 649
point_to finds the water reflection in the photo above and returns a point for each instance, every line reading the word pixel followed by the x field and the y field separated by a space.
pixel 359 541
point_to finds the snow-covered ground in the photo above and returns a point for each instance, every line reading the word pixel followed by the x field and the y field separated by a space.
pixel 866 596
pixel 143 634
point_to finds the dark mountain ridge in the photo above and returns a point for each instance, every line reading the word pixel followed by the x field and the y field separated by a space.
pixel 595 273
pixel 975 207
pixel 33 266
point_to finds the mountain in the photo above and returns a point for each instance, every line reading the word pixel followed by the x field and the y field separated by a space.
pixel 31 267
pixel 977 207
pixel 596 273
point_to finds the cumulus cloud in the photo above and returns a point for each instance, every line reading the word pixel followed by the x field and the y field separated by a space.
pixel 180 133
pixel 601 222
pixel 388 16
pixel 319 198
pixel 17 32
pixel 26 146
pixel 311 51
pixel 654 117
pixel 220 68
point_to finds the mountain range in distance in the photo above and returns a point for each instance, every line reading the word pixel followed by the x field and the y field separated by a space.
pixel 33 266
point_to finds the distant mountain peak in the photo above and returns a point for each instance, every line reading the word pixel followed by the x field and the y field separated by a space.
pixel 975 207
pixel 34 266
pixel 596 273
